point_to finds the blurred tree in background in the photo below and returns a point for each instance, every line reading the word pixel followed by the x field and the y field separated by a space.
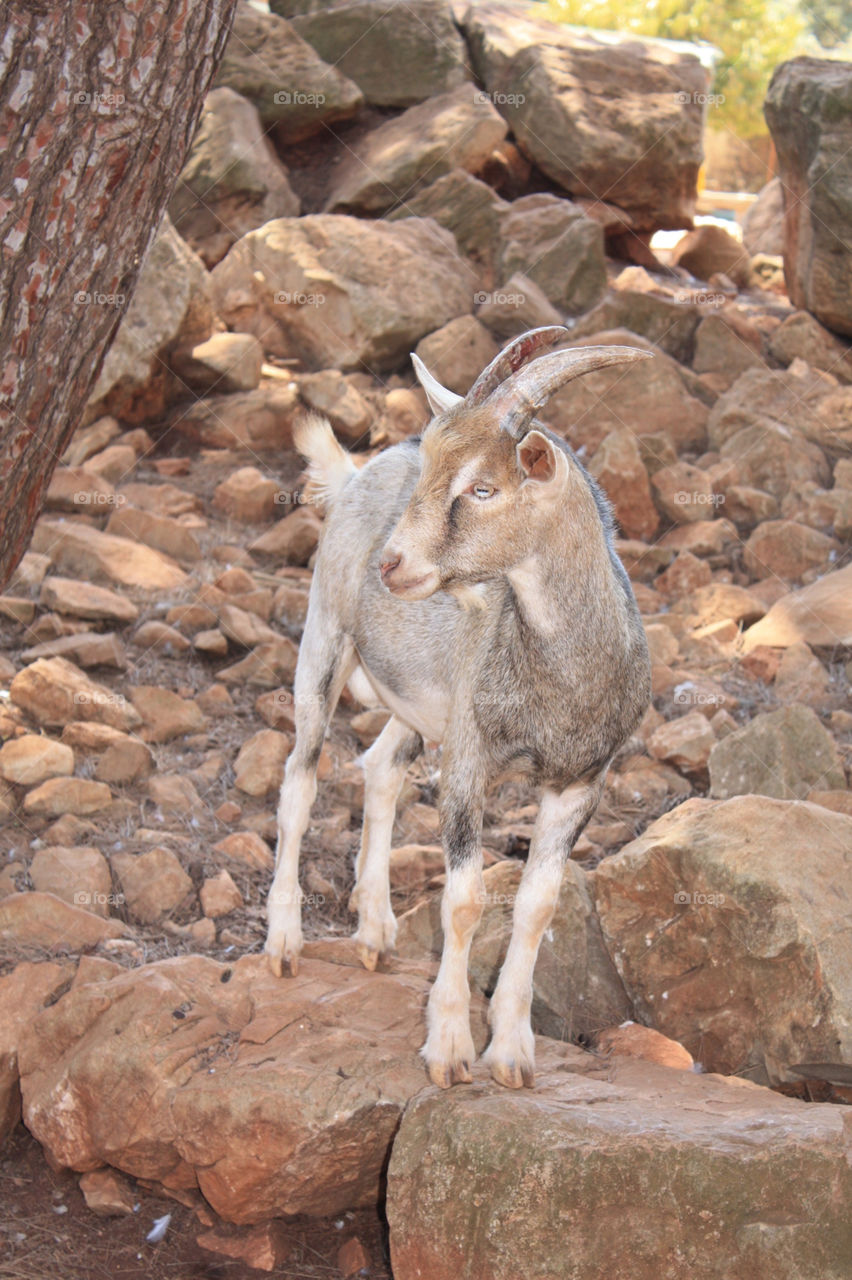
pixel 829 21
pixel 752 37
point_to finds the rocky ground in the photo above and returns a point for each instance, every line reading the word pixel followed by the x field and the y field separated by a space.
pixel 694 989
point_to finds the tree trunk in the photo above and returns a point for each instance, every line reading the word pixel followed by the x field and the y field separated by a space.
pixel 99 100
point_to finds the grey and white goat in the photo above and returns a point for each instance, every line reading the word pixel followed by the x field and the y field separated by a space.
pixel 467 578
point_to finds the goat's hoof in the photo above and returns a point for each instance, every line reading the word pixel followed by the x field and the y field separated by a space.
pixel 369 956
pixel 513 1075
pixel 352 904
pixel 279 964
pixel 276 965
pixel 446 1074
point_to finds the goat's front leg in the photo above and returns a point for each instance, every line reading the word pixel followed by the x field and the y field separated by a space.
pixel 449 1050
pixel 326 659
pixel 561 818
pixel 385 764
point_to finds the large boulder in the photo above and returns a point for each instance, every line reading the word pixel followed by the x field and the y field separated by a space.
pixel 809 111
pixel 785 753
pixel 397 54
pixel 464 205
pixel 295 92
pixel 555 245
pixel 457 130
pixel 606 119
pixel 763 223
pixel 170 308
pixel 273 1098
pixel 731 925
pixel 618 1168
pixel 232 180
pixel 819 615
pixel 338 292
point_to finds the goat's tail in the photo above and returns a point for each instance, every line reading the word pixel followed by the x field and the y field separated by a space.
pixel 330 467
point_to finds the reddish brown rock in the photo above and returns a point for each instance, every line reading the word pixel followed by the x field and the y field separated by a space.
pixel 617 466
pixel 67 795
pixel 55 692
pixel 247 496
pixel 259 767
pixel 32 758
pixel 153 883
pixel 788 549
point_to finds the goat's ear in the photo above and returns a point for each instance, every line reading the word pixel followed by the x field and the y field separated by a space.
pixel 441 399
pixel 539 459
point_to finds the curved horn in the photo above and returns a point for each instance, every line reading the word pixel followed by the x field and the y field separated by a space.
pixel 521 396
pixel 441 399
pixel 511 358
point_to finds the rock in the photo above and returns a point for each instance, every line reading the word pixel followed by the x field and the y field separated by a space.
pixel 685 575
pixel 292 540
pixel 170 307
pixel 556 246
pixel 575 988
pixel 159 636
pixel 519 305
pixel 124 761
pixel 247 496
pixel 23 992
pixel 262 1248
pixel 219 896
pixel 44 921
pixel 260 419
pixel 669 322
pixel 226 362
pixel 293 90
pixel 683 492
pixel 807 110
pixel 747 507
pixel 726 346
pixel 819 614
pixel 352 1258
pixel 161 499
pixel 165 715
pixel 801 677
pixel 244 628
pixel 802 337
pixel 83 550
pixel 272 1096
pixel 457 353
pixel 73 489
pixel 67 795
pixel 397 55
pixel 106 1194
pixel 634 1041
pixel 160 532
pixel 78 875
pixel 232 180
pixel 685 743
pixel 592 115
pixel 617 466
pixel 649 398
pixel 87 441
pixel 763 221
pixel 267 666
pixel 54 692
pixel 32 758
pixel 784 754
pixel 709 249
pixel 246 847
pixel 212 642
pixel 174 793
pixel 338 400
pixel 297 284
pixel 481 1181
pixel 259 767
pixel 456 130
pixel 153 883
pixel 467 207
pixel 118 461
pixel 405 414
pixel 743 896
pixel 83 600
pixel 86 648
pixel 788 549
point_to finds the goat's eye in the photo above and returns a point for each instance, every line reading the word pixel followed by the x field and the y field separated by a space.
pixel 481 491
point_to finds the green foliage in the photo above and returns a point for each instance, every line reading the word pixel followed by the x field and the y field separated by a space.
pixel 752 36
pixel 830 21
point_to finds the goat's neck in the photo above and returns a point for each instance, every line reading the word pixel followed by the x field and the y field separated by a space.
pixel 568 581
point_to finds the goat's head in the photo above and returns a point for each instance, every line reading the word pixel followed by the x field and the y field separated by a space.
pixel 488 474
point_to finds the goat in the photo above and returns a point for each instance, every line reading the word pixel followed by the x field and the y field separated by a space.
pixel 469 579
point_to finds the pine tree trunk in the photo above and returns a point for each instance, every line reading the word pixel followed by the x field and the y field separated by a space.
pixel 99 100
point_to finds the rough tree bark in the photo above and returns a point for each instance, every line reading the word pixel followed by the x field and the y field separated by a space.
pixel 99 100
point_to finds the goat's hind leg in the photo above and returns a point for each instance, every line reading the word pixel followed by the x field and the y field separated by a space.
pixel 326 659
pixel 561 818
pixel 385 764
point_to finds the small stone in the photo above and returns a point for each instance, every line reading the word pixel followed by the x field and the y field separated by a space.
pixel 43 920
pixel 78 875
pixel 684 576
pixel 246 847
pixel 276 707
pixel 788 549
pixel 635 1041
pixel 125 761
pixel 800 677
pixel 160 637
pixel 685 743
pixel 67 795
pixel 80 549
pixel 163 533
pixel 54 692
pixel 154 883
pixel 219 896
pixel 683 493
pixel 215 701
pixel 228 811
pixel 107 1194
pixel 212 641
pixel 165 714
pixel 85 600
pixel 225 362
pixel 352 1258
pixel 86 648
pixel 173 793
pixel 293 539
pixel 32 759
pixel 268 666
pixel 259 767
pixel 247 496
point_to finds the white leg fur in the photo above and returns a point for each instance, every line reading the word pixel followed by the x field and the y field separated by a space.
pixel 449 1049
pixel 383 777
pixel 284 904
pixel 511 1052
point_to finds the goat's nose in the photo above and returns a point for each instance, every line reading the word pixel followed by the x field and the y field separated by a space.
pixel 391 561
